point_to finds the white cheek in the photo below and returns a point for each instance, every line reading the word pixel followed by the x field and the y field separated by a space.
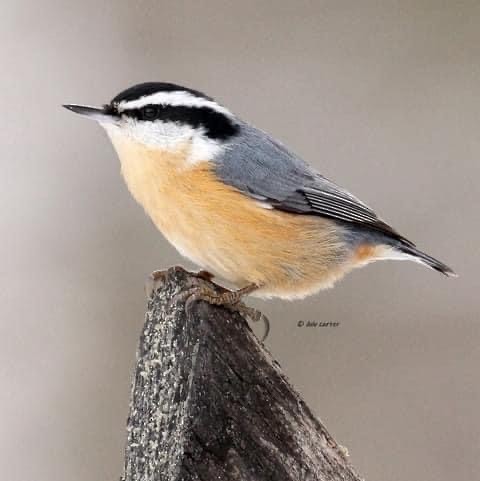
pixel 168 136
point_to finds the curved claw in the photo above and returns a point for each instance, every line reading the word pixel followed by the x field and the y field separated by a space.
pixel 254 315
pixel 266 325
pixel 201 292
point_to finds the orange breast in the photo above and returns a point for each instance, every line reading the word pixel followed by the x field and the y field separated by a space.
pixel 227 232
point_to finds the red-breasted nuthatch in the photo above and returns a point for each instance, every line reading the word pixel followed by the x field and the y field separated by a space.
pixel 237 202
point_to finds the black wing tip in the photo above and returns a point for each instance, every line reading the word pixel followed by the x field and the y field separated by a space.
pixel 442 268
pixel 391 232
pixel 344 208
pixel 447 271
pixel 429 261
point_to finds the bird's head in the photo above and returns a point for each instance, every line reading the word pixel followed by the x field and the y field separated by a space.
pixel 165 116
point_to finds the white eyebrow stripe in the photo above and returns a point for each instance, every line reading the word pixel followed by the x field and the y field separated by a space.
pixel 176 99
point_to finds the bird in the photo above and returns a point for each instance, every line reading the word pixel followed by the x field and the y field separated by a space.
pixel 237 202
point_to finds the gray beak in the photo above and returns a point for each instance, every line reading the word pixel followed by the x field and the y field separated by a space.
pixel 100 114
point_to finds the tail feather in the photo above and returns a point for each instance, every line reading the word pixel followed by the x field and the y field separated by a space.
pixel 419 256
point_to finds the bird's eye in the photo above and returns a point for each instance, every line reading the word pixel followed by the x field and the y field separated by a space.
pixel 149 112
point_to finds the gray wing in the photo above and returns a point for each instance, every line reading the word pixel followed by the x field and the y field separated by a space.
pixel 264 169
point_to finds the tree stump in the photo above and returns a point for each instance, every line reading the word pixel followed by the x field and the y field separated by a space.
pixel 208 402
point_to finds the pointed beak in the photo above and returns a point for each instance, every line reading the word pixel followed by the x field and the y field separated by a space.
pixel 100 114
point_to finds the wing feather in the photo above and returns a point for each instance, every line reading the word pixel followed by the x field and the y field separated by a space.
pixel 261 167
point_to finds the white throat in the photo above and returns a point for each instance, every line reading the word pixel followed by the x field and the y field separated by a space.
pixel 167 136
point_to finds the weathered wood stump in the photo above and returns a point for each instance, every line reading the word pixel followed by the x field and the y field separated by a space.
pixel 209 403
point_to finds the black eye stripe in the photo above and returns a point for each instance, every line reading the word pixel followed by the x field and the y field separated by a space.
pixel 149 112
pixel 216 125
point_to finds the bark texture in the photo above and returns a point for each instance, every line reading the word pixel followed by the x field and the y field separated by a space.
pixel 209 403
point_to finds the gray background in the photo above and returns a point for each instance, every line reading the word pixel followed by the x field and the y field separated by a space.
pixel 383 97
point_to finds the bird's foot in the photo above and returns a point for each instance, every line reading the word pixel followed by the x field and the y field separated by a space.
pixel 232 300
pixel 205 275
pixel 158 277
pixel 254 315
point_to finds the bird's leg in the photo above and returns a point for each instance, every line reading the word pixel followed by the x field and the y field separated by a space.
pixel 151 281
pixel 205 275
pixel 226 298
pixel 232 300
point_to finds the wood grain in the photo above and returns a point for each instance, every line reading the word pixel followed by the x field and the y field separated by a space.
pixel 209 403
